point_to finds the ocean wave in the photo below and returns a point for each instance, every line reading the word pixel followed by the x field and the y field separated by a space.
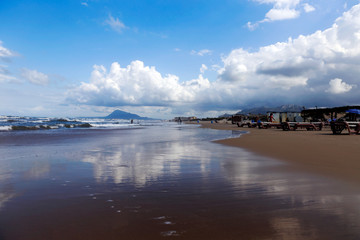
pixel 5 128
pixel 8 123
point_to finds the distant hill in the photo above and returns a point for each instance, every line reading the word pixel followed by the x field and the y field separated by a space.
pixel 264 110
pixel 118 114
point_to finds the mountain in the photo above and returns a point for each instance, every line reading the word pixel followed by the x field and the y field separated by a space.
pixel 257 110
pixel 264 110
pixel 290 108
pixel 118 114
pixel 226 115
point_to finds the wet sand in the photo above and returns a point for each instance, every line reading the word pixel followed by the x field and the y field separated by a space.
pixel 162 183
pixel 319 152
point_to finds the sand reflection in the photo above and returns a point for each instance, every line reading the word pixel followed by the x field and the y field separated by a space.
pixel 304 202
pixel 290 228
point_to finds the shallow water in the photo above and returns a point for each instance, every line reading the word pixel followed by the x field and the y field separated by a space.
pixel 161 182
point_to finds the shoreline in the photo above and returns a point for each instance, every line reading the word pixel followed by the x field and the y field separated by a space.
pixel 318 152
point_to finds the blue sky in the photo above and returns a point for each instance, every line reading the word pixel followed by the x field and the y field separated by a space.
pixel 167 58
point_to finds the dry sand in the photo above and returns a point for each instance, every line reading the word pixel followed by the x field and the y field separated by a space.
pixel 315 151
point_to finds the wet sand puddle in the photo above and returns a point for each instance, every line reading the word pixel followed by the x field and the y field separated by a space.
pixel 163 182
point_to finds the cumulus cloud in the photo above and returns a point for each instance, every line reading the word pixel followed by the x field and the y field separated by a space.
pixel 115 24
pixel 281 10
pixel 276 14
pixel 305 63
pixel 296 71
pixel 337 86
pixel 35 77
pixel 135 85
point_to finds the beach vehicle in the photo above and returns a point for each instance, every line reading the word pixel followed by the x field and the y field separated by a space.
pixel 310 126
pixel 338 126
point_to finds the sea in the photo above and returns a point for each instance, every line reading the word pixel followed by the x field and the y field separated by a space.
pixel 45 123
pixel 158 180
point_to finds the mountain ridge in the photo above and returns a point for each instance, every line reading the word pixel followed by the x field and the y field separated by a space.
pixel 264 110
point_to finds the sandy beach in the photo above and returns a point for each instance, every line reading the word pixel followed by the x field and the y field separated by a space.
pixel 319 152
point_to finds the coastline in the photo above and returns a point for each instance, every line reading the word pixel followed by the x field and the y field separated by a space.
pixel 319 152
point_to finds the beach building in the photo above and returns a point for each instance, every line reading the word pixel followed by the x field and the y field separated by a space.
pixel 290 116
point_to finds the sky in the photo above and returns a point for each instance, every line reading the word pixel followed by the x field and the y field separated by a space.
pixel 167 58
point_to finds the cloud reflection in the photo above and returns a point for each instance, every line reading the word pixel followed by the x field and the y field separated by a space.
pixel 145 163
pixel 6 188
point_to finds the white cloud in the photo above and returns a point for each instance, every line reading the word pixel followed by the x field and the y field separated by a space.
pixel 35 77
pixel 203 68
pixel 308 8
pixel 4 52
pixel 202 52
pixel 281 10
pixel 277 14
pixel 5 55
pixel 115 24
pixel 252 26
pixel 337 86
pixel 281 3
pixel 135 85
pixel 85 4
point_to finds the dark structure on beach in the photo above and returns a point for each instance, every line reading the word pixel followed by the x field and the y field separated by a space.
pixel 281 114
pixel 320 114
